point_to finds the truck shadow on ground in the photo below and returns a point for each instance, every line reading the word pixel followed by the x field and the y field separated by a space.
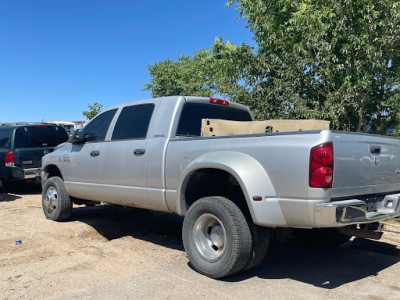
pixel 113 222
pixel 326 269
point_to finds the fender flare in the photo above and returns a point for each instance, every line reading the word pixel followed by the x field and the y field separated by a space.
pixel 251 176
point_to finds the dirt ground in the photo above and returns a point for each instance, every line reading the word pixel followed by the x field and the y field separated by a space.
pixel 113 252
pixel 99 244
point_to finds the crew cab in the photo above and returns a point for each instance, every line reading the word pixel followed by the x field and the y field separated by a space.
pixel 234 192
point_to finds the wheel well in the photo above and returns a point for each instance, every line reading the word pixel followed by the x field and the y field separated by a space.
pixel 212 182
pixel 52 171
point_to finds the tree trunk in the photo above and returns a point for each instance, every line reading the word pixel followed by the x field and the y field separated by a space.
pixel 360 122
pixel 364 125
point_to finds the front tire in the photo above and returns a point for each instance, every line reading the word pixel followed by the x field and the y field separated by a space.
pixel 56 203
pixel 216 237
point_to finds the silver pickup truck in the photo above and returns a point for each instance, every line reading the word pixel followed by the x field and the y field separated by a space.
pixel 235 192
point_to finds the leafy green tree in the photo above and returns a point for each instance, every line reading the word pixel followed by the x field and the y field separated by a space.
pixel 94 109
pixel 185 76
pixel 224 69
pixel 336 60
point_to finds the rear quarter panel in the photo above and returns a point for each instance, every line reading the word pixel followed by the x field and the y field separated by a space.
pixel 284 158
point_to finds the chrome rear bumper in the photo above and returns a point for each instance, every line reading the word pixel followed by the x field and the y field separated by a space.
pixel 354 211
pixel 32 173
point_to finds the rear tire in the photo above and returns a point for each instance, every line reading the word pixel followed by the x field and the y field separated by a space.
pixel 261 238
pixel 320 238
pixel 56 203
pixel 216 237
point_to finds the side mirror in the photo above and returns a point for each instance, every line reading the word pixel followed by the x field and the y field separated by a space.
pixel 90 136
pixel 76 137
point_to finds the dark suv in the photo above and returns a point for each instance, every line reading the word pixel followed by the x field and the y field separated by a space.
pixel 22 146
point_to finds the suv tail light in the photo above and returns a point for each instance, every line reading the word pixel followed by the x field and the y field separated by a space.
pixel 321 166
pixel 10 159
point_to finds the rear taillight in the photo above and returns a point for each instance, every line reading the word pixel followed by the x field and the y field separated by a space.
pixel 219 101
pixel 321 166
pixel 10 159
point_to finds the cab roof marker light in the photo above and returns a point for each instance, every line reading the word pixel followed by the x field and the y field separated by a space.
pixel 219 101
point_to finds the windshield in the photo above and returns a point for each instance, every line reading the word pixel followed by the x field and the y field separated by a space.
pixel 39 136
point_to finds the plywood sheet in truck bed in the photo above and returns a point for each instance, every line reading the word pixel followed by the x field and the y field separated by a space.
pixel 215 127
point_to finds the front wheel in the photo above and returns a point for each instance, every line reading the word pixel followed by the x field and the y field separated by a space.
pixel 56 203
pixel 216 237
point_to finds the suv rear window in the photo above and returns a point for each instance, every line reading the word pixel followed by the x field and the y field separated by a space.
pixel 193 113
pixel 5 138
pixel 39 136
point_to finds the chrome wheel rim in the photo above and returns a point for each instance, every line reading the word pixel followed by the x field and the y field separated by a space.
pixel 209 236
pixel 51 199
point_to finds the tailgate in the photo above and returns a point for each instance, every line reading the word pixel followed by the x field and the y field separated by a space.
pixel 34 141
pixel 27 158
pixel 365 164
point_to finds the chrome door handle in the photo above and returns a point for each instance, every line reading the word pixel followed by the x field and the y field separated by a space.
pixel 95 153
pixel 139 151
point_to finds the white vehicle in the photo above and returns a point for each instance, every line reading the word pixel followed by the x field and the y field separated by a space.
pixel 69 127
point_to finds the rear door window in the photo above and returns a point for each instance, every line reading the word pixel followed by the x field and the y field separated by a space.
pixel 133 122
pixel 39 136
pixel 97 129
pixel 5 138
pixel 193 113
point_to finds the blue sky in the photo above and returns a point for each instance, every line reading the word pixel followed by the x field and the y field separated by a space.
pixel 58 56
